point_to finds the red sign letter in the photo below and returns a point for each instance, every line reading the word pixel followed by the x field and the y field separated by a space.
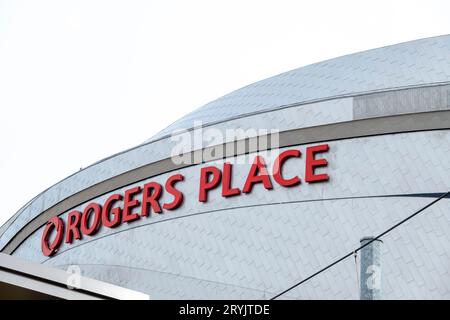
pixel 152 192
pixel 53 223
pixel 73 226
pixel 205 184
pixel 170 188
pixel 258 173
pixel 312 163
pixel 116 212
pixel 227 190
pixel 278 165
pixel 129 204
pixel 97 210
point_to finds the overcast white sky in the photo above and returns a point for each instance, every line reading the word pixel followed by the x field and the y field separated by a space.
pixel 81 80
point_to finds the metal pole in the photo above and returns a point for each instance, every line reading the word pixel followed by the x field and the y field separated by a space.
pixel 370 280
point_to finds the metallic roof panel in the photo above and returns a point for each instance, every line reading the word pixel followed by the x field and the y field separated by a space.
pixel 413 63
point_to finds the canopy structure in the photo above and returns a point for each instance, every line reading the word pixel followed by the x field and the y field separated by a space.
pixel 20 279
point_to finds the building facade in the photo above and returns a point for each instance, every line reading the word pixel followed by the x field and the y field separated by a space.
pixel 261 188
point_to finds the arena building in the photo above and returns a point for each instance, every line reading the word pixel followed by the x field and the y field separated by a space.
pixel 247 195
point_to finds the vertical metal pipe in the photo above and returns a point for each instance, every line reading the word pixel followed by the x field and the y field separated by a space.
pixel 370 279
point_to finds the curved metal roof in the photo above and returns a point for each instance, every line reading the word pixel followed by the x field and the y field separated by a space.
pixel 413 63
pixel 423 62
